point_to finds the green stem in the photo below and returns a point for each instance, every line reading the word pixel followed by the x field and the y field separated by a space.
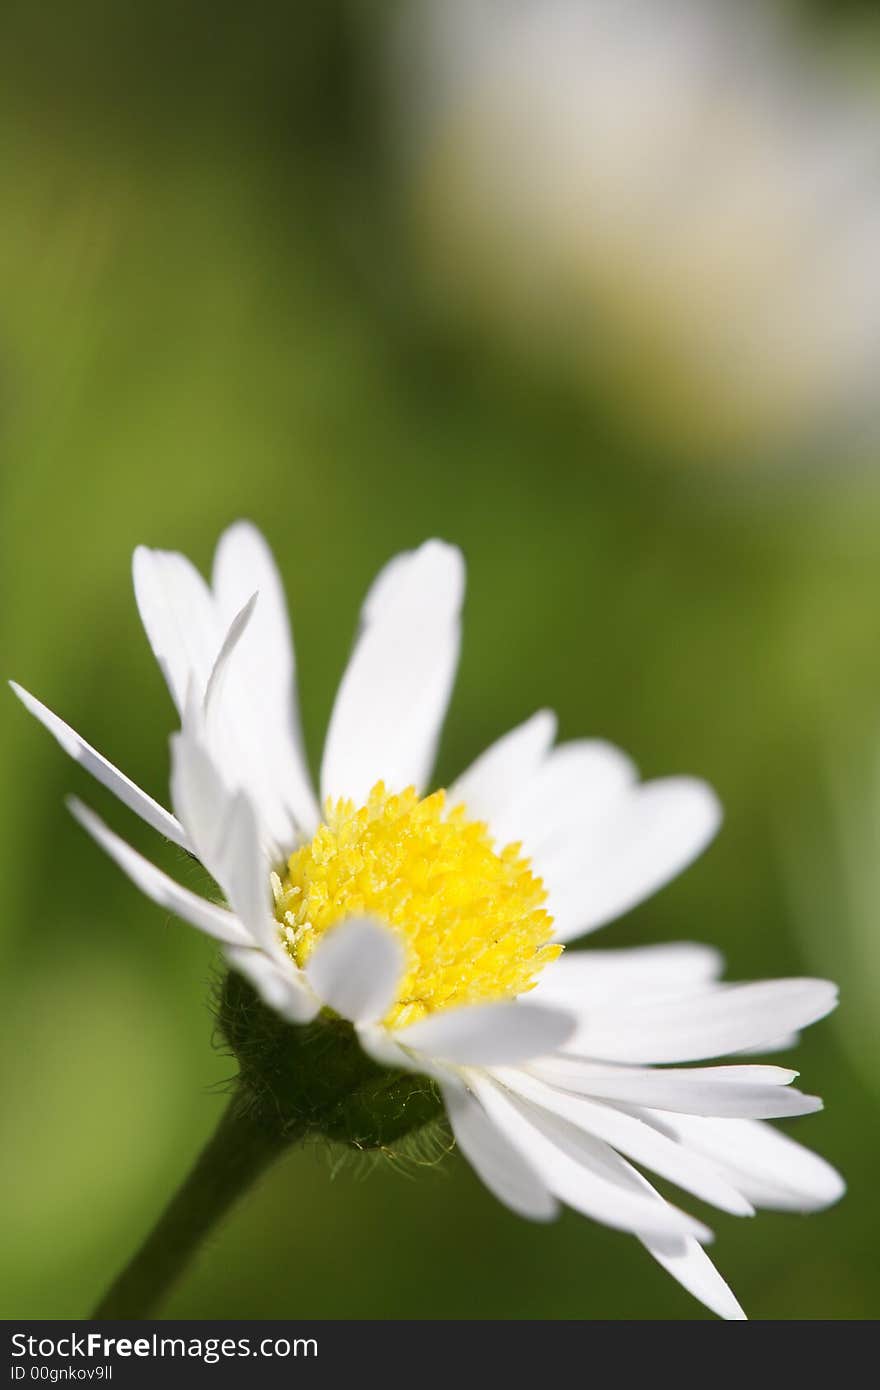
pixel 240 1150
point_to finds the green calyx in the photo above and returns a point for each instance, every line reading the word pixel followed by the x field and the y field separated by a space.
pixel 294 1083
pixel 316 1080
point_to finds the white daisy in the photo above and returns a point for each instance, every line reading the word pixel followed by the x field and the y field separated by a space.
pixel 434 923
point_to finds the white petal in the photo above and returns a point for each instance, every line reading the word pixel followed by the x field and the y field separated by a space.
pixel 488 1034
pixel 688 1262
pixel 498 775
pixel 576 788
pixel 224 724
pixel 772 1169
pixel 234 633
pixel 198 793
pixel 723 1019
pixel 392 700
pixel 784 1044
pixel 244 873
pixel 225 830
pixel 582 1172
pixel 356 969
pixel 378 1043
pixel 216 921
pixel 104 771
pixel 180 619
pixel 681 1255
pixel 203 639
pixel 495 1160
pixel 648 836
pixel 755 1091
pixel 631 1136
pixel 264 673
pixel 588 979
pixel 284 990
pixel 231 721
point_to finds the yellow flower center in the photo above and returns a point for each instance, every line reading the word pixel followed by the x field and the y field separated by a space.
pixel 471 918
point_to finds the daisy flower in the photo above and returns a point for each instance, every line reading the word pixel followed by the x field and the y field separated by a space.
pixel 435 924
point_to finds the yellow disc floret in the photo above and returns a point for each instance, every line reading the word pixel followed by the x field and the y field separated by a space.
pixel 471 917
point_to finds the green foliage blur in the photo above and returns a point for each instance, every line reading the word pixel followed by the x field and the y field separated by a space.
pixel 211 309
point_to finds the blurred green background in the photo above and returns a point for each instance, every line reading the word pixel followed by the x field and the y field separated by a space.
pixel 214 305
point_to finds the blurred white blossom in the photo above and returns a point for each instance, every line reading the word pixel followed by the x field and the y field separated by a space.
pixel 669 197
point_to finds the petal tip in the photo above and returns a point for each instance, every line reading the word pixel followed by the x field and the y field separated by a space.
pixel 356 967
